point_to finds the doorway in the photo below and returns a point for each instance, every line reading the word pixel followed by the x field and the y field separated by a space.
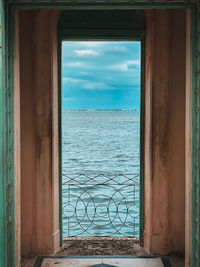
pixel 38 182
pixel 101 85
pixel 90 32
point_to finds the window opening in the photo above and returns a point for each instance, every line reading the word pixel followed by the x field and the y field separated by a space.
pixel 101 138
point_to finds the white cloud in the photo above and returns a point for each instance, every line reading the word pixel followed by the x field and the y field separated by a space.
pixel 67 79
pixel 124 66
pixel 96 85
pixel 74 64
pixel 89 85
pixel 69 98
pixel 91 44
pixel 119 48
pixel 86 53
pixel 84 73
pixel 86 84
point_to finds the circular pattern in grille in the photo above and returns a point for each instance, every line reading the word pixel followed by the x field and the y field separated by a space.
pixel 101 205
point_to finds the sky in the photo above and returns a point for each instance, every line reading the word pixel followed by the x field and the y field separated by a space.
pixel 100 75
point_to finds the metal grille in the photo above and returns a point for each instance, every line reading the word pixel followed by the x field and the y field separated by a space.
pixel 101 205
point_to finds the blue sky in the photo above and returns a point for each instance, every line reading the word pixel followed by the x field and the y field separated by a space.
pixel 100 75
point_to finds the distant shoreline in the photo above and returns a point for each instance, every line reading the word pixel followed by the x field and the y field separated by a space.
pixel 100 110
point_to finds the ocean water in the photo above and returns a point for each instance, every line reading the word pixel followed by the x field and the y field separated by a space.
pixel 100 166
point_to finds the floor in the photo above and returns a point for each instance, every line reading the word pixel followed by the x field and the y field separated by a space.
pixel 98 262
pixel 104 247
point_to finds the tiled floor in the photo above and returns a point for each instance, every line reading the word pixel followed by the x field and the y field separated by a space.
pixel 119 262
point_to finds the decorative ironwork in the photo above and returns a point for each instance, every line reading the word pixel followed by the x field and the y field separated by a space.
pixel 101 205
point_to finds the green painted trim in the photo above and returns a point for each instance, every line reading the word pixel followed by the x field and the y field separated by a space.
pixel 7 222
pixel 101 34
pixel 3 145
pixel 195 196
pixel 111 6
pixel 10 132
pixel 101 38
pixel 3 233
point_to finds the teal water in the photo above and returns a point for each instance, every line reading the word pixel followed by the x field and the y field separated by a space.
pixel 93 143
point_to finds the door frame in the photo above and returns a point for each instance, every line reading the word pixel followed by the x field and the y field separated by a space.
pixel 194 6
pixel 7 181
pixel 94 35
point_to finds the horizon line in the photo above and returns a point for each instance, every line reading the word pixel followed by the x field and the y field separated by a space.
pixel 100 109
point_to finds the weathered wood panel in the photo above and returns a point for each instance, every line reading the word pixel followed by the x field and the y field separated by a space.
pixel 39 131
pixel 165 132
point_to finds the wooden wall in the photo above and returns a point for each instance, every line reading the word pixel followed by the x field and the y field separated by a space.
pixel 165 131
pixel 39 132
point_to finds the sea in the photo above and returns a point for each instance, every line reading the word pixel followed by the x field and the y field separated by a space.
pixel 100 173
